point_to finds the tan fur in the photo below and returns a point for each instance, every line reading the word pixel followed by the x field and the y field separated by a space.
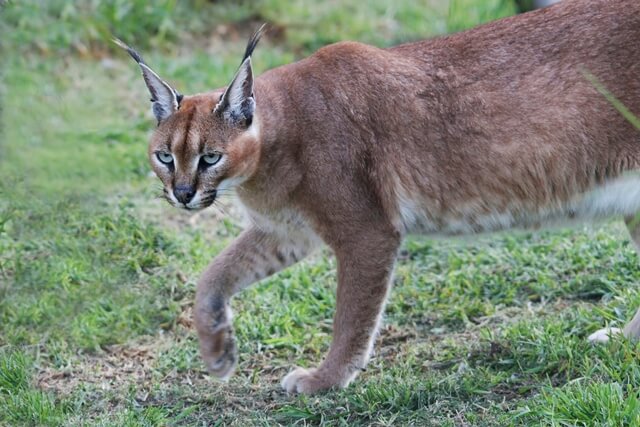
pixel 356 146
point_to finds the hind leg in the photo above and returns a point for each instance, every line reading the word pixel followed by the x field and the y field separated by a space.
pixel 632 329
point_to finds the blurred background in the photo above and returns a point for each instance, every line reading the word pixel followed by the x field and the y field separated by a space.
pixel 97 274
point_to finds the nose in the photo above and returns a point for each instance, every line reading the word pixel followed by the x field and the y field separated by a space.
pixel 184 193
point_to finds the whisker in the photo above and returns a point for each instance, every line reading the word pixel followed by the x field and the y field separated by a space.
pixel 229 196
pixel 221 208
pixel 227 193
pixel 217 208
pixel 168 199
pixel 227 199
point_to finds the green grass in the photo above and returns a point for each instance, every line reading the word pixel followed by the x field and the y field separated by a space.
pixel 97 276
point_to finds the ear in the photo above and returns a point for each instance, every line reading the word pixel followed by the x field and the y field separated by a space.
pixel 237 104
pixel 165 100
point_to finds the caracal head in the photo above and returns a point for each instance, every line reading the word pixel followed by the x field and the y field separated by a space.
pixel 204 144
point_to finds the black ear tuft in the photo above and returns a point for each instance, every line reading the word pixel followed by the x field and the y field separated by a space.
pixel 165 99
pixel 253 42
pixel 237 104
pixel 134 53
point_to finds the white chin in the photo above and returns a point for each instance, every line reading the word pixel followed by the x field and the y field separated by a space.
pixel 195 206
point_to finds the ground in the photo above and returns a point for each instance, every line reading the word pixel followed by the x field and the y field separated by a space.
pixel 97 274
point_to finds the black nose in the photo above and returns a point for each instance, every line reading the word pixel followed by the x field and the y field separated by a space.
pixel 184 193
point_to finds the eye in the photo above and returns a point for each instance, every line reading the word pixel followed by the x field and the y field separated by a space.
pixel 211 159
pixel 165 158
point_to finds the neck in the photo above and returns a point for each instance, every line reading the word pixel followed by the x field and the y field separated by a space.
pixel 278 172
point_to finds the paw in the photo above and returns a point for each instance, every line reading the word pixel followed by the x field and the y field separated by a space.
pixel 217 342
pixel 307 381
pixel 603 335
pixel 219 353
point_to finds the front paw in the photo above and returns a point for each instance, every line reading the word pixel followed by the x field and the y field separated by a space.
pixel 219 352
pixel 604 335
pixel 307 381
pixel 217 342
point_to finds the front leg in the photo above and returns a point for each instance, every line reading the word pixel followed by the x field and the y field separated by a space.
pixel 365 267
pixel 632 329
pixel 254 255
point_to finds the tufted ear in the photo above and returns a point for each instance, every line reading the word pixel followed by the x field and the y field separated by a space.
pixel 237 103
pixel 165 100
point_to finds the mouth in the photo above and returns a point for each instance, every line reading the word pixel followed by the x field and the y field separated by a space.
pixel 199 202
pixel 192 208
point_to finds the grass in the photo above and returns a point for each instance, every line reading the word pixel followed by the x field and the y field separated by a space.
pixel 97 276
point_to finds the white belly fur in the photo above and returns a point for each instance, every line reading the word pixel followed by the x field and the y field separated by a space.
pixel 616 198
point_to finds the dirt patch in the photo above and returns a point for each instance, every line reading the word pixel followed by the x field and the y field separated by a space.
pixel 141 362
pixel 114 369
